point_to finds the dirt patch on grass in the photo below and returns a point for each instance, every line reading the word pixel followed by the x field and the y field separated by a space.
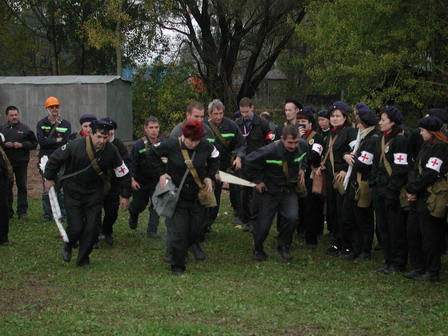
pixel 32 295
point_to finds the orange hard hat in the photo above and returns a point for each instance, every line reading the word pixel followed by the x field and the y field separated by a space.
pixel 51 101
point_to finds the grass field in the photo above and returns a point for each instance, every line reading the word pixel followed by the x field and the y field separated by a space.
pixel 130 291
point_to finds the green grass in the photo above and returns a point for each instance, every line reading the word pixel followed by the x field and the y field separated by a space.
pixel 130 291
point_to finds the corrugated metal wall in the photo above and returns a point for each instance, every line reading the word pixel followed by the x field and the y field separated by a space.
pixel 112 99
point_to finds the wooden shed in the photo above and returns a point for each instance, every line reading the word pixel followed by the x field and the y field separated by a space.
pixel 103 96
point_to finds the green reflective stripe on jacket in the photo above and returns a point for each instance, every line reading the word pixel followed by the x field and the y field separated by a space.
pixel 46 127
pixel 142 150
pixel 228 135
pixel 275 161
pixel 61 129
pixel 211 140
pixel 300 157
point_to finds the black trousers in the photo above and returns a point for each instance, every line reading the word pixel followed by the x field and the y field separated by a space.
pixel 140 199
pixel 311 214
pixel 332 208
pixel 185 229
pixel 4 217
pixel 250 200
pixel 425 239
pixel 83 218
pixel 21 174
pixel 287 205
pixel 392 224
pixel 111 204
pixel 359 226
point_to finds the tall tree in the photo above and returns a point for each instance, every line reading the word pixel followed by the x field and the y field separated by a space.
pixel 234 36
pixel 391 51
pixel 43 19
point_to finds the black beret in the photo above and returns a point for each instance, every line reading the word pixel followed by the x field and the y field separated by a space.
pixel 393 114
pixel 430 123
pixel 307 111
pixel 86 117
pixel 100 124
pixel 295 102
pixel 366 114
pixel 439 113
pixel 339 105
pixel 110 121
pixel 323 114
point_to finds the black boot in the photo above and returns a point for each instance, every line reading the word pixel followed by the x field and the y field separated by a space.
pixel 66 252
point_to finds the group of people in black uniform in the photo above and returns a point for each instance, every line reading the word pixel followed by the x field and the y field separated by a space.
pixel 358 177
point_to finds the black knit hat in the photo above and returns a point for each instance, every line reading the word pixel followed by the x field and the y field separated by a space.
pixel 430 123
pixel 393 114
pixel 339 105
pixel 366 115
pixel 295 102
pixel 110 121
pixel 86 117
pixel 439 113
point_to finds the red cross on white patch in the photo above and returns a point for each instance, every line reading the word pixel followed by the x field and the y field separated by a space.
pixel 317 148
pixel 435 164
pixel 366 158
pixel 400 158
pixel 121 171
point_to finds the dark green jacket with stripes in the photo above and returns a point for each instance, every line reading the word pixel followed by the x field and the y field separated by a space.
pixel 49 144
pixel 266 165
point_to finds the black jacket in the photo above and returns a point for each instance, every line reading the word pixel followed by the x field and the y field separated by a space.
pixel 73 157
pixel 206 162
pixel 18 133
pixel 140 168
pixel 266 165
pixel 257 135
pixel 433 163
pixel 49 145
pixel 235 142
pixel 397 155
pixel 342 145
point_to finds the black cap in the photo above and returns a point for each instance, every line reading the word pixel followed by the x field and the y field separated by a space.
pixel 393 114
pixel 86 117
pixel 366 114
pixel 430 123
pixel 339 105
pixel 110 121
pixel 295 102
pixel 439 113
pixel 323 114
pixel 100 125
pixel 307 112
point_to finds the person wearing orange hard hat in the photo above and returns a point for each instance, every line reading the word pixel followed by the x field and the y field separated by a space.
pixel 52 132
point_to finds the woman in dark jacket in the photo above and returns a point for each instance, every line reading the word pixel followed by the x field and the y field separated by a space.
pixel 339 142
pixel 186 225
pixel 389 175
pixel 426 229
pixel 360 231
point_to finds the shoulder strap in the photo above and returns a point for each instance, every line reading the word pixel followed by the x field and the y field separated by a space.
pixel 9 170
pixel 383 156
pixel 330 149
pixel 56 125
pixel 93 161
pixel 145 141
pixel 189 163
pixel 218 133
pixel 311 135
